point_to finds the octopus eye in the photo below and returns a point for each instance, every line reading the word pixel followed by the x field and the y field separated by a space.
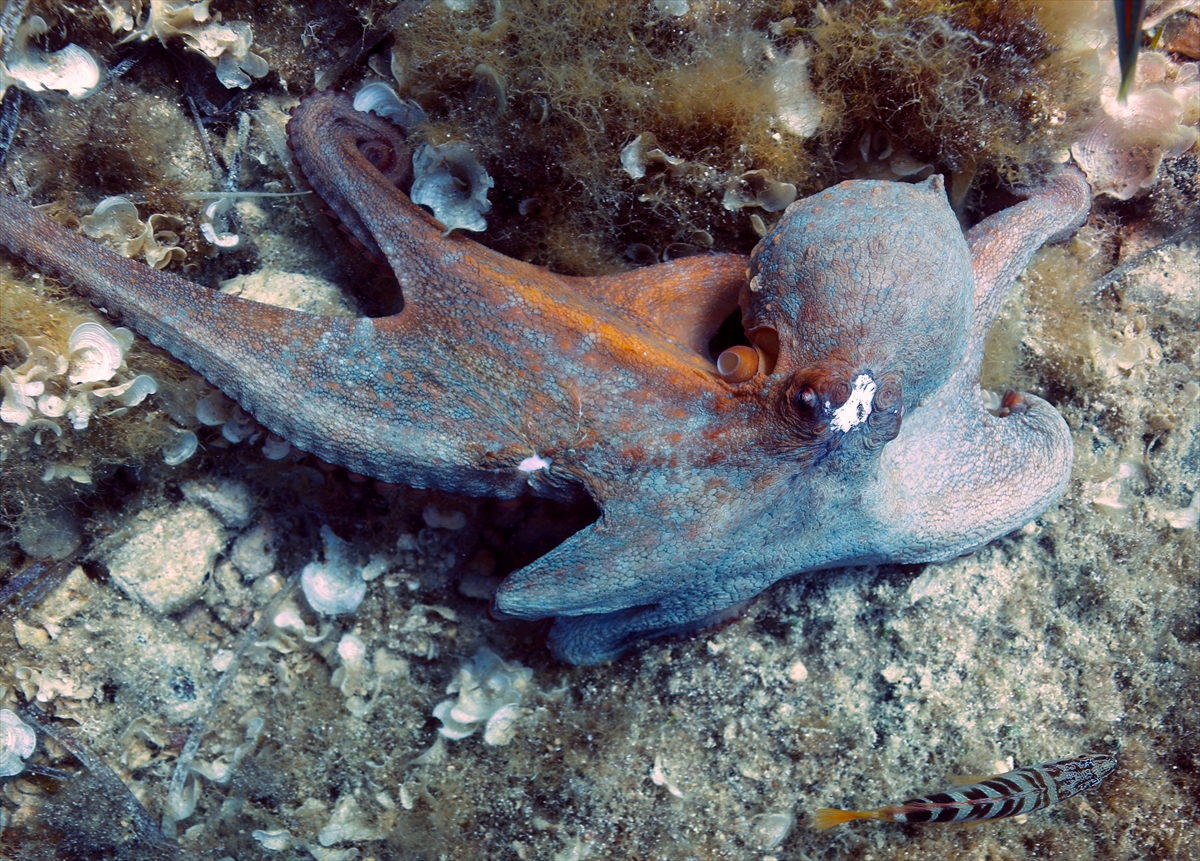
pixel 808 400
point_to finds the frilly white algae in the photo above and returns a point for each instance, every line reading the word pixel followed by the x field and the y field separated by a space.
pixel 17 741
pixel 226 45
pixel 49 385
pixel 490 691
pixel 450 181
pixel 335 586
pixel 115 220
pixel 70 70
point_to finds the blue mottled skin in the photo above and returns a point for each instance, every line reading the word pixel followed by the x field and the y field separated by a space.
pixel 860 438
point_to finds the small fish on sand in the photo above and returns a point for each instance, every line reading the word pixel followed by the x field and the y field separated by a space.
pixel 1010 794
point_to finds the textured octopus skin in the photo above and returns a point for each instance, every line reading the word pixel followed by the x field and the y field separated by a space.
pixel 861 438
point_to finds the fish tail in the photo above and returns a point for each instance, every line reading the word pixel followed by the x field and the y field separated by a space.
pixel 827 817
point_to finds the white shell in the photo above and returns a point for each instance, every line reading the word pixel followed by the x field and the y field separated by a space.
pixel 183 447
pixel 490 691
pixel 17 741
pixel 136 390
pixel 757 188
pixel 275 448
pixel 214 225
pixel 130 393
pixel 213 410
pixel 116 207
pixel 501 727
pixel 17 407
pixel 95 354
pixel 239 427
pixel 352 650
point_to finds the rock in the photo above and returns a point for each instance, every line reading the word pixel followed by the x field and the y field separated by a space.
pixel 229 500
pixel 168 556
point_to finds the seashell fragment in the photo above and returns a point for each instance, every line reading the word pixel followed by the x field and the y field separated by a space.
pixel 214 225
pixel 214 409
pixel 225 44
pixel 490 691
pixel 642 151
pixel 240 426
pixel 17 741
pixel 738 364
pixel 181 448
pixel 756 188
pixel 17 406
pixel 51 406
pixel 95 354
pixel 275 448
pixel 130 393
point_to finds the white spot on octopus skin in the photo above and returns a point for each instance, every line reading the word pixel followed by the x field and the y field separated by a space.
pixel 857 407
pixel 533 464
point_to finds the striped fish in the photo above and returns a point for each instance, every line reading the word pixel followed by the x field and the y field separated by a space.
pixel 1130 14
pixel 1011 794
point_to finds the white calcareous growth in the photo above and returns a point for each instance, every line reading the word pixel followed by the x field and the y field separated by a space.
pixel 17 741
pixel 70 70
pixel 52 386
pixel 336 586
pixel 226 44
pixel 490 691
pixel 450 181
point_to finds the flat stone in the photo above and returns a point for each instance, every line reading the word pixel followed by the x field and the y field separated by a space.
pixel 168 556
pixel 229 500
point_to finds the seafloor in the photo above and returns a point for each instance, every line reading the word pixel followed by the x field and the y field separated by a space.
pixel 852 688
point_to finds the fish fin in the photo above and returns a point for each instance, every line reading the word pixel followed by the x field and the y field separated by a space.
pixel 968 779
pixel 827 817
pixel 1130 15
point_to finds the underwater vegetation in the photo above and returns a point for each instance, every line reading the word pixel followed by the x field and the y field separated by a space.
pixel 1080 632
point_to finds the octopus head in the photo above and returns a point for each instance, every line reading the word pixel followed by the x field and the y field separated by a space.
pixel 861 278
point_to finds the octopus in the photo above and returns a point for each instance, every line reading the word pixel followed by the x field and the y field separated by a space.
pixel 848 429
